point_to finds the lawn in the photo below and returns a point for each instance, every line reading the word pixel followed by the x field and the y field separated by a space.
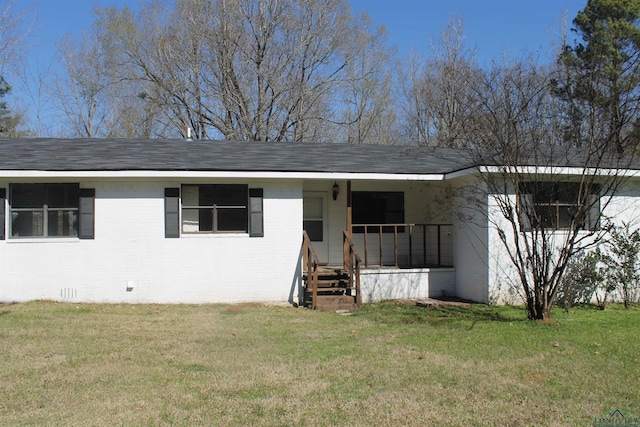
pixel 387 364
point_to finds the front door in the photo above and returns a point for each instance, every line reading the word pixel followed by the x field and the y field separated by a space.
pixel 315 223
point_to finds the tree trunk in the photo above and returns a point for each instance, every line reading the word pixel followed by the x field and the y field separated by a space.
pixel 536 310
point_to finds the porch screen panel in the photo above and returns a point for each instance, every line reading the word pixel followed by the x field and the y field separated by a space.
pixel 256 215
pixel 87 213
pixel 377 207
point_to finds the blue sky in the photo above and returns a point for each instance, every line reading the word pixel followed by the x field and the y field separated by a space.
pixel 493 27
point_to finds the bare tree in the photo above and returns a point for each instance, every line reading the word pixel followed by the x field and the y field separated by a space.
pixel 243 69
pixel 438 93
pixel 98 98
pixel 83 93
pixel 545 199
pixel 15 24
pixel 550 194
pixel 368 115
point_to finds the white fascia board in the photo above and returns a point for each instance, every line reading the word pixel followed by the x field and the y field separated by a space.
pixel 461 173
pixel 567 171
pixel 544 170
pixel 23 174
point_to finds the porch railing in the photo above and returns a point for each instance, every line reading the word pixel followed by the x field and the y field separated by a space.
pixel 312 263
pixel 352 263
pixel 405 245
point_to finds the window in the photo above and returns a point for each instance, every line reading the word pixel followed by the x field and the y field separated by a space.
pixel 44 210
pixel 557 205
pixel 215 208
pixel 313 217
pixel 377 207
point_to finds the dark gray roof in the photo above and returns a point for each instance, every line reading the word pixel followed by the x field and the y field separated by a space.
pixel 238 156
pixel 180 155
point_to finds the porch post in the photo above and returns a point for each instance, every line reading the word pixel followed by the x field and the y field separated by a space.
pixel 346 248
pixel 349 224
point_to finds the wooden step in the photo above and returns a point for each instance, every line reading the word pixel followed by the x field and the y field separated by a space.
pixel 333 292
pixel 332 283
pixel 336 302
pixel 329 279
pixel 330 272
pixel 336 290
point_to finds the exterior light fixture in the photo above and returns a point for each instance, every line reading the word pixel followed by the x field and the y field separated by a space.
pixel 336 190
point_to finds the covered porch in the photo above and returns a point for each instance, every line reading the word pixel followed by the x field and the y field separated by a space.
pixel 366 241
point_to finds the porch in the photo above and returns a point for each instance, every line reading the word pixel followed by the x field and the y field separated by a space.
pixel 389 261
pixel 367 240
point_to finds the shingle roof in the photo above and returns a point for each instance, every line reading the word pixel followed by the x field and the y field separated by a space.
pixel 180 155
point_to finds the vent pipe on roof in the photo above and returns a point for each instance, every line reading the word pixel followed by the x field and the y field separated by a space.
pixel 188 133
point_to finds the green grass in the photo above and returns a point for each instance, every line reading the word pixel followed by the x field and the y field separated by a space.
pixel 387 364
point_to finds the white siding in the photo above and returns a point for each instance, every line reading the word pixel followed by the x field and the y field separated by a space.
pixel 385 284
pixel 130 260
pixel 470 242
pixel 504 284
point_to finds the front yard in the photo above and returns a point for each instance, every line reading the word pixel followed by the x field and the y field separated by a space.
pixel 387 364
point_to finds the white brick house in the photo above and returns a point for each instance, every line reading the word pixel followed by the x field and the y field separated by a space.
pixel 215 222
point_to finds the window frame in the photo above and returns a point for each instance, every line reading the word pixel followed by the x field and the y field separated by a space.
pixel 310 222
pixel 41 205
pixel 215 209
pixel 538 195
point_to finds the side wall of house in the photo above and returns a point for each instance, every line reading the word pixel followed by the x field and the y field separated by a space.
pixel 471 240
pixel 624 207
pixel 130 260
pixel 504 285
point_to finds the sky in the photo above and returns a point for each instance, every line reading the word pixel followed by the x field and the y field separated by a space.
pixel 494 28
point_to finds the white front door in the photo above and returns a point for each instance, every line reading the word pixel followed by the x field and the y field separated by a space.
pixel 315 222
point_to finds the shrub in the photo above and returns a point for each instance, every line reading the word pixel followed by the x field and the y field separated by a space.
pixel 582 279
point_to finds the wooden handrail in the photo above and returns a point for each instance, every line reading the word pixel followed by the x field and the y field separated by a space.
pixel 352 263
pixel 311 263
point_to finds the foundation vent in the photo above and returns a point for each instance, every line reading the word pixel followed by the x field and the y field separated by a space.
pixel 68 293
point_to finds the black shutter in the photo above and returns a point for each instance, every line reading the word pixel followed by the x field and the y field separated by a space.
pixel 256 221
pixel 86 229
pixel 171 212
pixel 3 198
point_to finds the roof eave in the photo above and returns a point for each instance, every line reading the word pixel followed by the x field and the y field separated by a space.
pixel 177 174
